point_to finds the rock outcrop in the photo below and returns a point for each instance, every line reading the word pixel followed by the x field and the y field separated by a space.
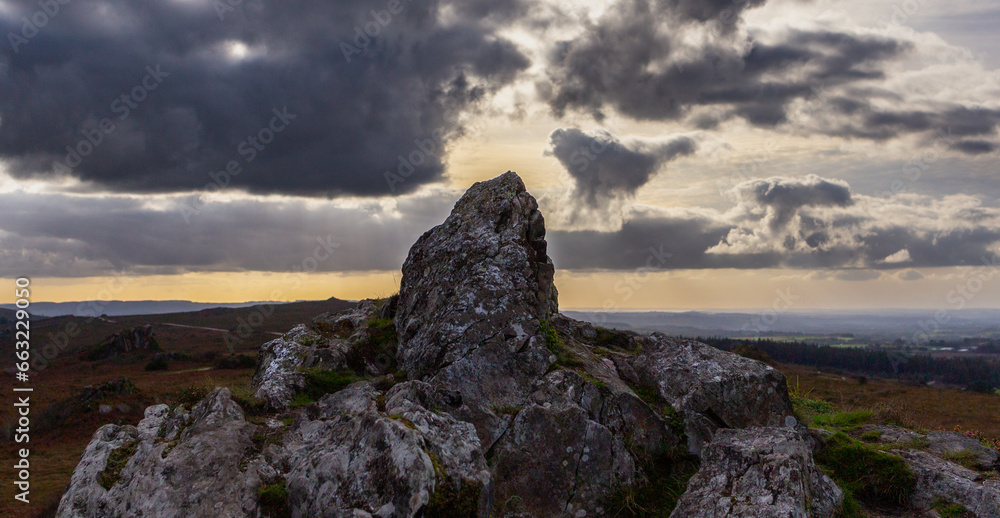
pixel 466 395
pixel 125 341
pixel 714 389
pixel 948 466
pixel 353 340
pixel 173 464
pixel 759 472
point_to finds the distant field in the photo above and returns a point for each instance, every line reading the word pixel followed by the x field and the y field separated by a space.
pixel 932 408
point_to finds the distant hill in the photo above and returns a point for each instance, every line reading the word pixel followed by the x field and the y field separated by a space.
pixel 130 307
pixel 887 323
pixel 193 332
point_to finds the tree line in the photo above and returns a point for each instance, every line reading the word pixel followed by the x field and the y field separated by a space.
pixel 980 374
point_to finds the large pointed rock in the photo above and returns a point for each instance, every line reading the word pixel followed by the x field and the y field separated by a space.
pixel 482 272
pixel 474 292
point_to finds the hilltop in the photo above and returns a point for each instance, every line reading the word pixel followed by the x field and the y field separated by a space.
pixel 469 394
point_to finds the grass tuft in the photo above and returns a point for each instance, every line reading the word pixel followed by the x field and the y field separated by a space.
pixel 950 510
pixel 667 475
pixel 273 501
pixel 319 382
pixel 876 478
pixel 564 358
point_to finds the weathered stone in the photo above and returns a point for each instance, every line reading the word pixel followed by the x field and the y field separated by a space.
pixel 197 474
pixel 556 461
pixel 714 389
pixel 279 366
pixel 474 292
pixel 125 341
pixel 758 473
pixel 938 478
pixel 346 343
pixel 953 445
pixel 345 457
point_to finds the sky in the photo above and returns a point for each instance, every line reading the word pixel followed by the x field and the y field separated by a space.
pixel 686 154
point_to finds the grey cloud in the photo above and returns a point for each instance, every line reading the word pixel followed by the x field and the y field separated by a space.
pixel 603 167
pixel 69 236
pixel 724 11
pixel 404 89
pixel 822 225
pixel 629 61
pixel 620 62
pixel 784 197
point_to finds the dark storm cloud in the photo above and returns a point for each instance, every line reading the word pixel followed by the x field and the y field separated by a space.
pixel 604 167
pixel 619 63
pixel 784 197
pixel 949 124
pixel 629 61
pixel 725 11
pixel 346 122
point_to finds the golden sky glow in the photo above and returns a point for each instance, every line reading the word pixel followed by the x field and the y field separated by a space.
pixel 675 290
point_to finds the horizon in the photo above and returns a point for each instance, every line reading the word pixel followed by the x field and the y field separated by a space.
pixel 575 309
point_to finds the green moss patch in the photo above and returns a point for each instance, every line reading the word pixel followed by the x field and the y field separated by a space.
pixel 319 382
pixel 449 499
pixel 116 462
pixel 951 510
pixel 564 358
pixel 273 500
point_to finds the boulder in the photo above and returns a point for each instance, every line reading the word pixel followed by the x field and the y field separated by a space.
pixel 955 445
pixel 940 479
pixel 279 366
pixel 712 388
pixel 759 472
pixel 474 293
pixel 347 457
pixel 125 341
pixel 171 465
pixel 358 340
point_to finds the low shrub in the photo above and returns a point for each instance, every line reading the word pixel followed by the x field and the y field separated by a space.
pixel 157 364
